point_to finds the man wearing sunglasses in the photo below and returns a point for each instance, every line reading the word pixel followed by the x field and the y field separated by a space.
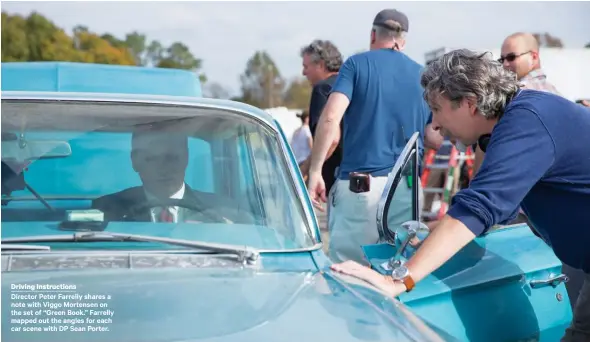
pixel 520 54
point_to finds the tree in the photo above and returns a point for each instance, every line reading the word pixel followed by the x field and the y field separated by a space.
pixel 547 40
pixel 35 38
pixel 136 43
pixel 114 41
pixel 298 93
pixel 178 56
pixel 587 46
pixel 261 83
pixel 98 50
pixel 216 91
pixel 15 46
pixel 154 53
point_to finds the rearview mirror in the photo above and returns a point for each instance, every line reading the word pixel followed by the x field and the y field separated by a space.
pixel 24 150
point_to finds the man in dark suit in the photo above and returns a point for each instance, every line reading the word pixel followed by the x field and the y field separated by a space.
pixel 160 158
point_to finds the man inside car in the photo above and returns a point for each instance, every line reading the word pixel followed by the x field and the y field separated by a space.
pixel 160 158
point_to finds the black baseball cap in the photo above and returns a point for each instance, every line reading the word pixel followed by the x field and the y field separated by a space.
pixel 387 16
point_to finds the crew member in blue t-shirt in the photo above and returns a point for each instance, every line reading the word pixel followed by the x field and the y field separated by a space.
pixel 537 157
pixel 378 98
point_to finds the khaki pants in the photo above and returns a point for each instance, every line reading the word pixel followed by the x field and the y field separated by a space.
pixel 352 220
pixel 579 330
pixel 352 217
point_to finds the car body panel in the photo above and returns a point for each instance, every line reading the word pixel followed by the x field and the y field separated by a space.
pixel 483 293
pixel 73 77
pixel 208 304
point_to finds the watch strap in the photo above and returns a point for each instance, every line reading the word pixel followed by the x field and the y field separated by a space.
pixel 409 283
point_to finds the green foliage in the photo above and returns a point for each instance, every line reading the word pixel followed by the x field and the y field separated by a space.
pixel 262 84
pixel 35 38
pixel 298 94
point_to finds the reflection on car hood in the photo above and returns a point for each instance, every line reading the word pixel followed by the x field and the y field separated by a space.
pixel 208 305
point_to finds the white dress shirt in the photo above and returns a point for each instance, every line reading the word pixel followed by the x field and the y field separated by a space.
pixel 174 211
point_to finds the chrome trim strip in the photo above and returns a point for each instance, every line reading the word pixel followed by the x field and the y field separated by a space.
pixel 300 191
pixel 388 187
pixel 137 99
pixel 273 125
pixel 157 251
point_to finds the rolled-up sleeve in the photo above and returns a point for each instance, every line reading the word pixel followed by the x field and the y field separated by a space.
pixel 519 154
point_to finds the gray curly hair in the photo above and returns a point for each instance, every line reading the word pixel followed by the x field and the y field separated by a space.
pixel 463 73
pixel 324 50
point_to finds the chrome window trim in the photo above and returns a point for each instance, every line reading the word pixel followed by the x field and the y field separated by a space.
pixel 389 189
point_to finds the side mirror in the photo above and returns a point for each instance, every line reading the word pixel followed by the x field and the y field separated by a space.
pixel 399 209
pixel 409 237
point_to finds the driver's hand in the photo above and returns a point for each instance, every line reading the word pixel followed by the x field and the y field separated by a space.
pixel 382 282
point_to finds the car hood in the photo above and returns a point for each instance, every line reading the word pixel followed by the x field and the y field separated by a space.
pixel 207 305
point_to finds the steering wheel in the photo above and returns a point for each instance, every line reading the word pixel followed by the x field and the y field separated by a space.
pixel 193 205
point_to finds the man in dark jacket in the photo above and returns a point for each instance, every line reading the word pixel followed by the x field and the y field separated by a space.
pixel 321 63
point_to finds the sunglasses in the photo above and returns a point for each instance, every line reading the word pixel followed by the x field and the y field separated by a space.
pixel 511 57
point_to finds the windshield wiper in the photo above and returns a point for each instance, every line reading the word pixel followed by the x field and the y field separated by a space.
pixel 244 254
pixel 12 181
pixel 17 247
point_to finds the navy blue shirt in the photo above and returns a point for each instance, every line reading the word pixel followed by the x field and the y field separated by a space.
pixel 539 158
pixel 386 108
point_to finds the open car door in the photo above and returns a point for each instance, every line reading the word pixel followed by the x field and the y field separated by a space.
pixel 505 285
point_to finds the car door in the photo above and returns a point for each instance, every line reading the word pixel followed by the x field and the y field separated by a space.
pixel 504 286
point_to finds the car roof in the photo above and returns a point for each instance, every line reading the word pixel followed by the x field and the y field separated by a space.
pixel 143 98
pixel 74 77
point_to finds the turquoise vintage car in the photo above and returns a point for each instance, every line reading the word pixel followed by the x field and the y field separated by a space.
pixel 84 260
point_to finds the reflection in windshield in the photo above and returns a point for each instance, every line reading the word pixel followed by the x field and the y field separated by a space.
pixel 189 167
pixel 400 210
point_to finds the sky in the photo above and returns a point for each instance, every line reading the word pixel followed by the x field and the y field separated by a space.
pixel 226 34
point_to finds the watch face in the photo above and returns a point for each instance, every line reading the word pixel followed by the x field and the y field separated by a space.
pixel 400 273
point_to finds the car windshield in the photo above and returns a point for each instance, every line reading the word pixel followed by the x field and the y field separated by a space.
pixel 196 173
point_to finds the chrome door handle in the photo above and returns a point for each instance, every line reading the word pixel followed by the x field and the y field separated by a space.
pixel 553 281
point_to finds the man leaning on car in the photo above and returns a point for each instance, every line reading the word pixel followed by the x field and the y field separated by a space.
pixel 531 161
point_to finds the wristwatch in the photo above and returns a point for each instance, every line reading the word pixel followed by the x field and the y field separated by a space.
pixel 403 275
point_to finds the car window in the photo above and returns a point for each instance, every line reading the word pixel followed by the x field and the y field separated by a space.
pixel 401 206
pixel 230 168
pixel 111 158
